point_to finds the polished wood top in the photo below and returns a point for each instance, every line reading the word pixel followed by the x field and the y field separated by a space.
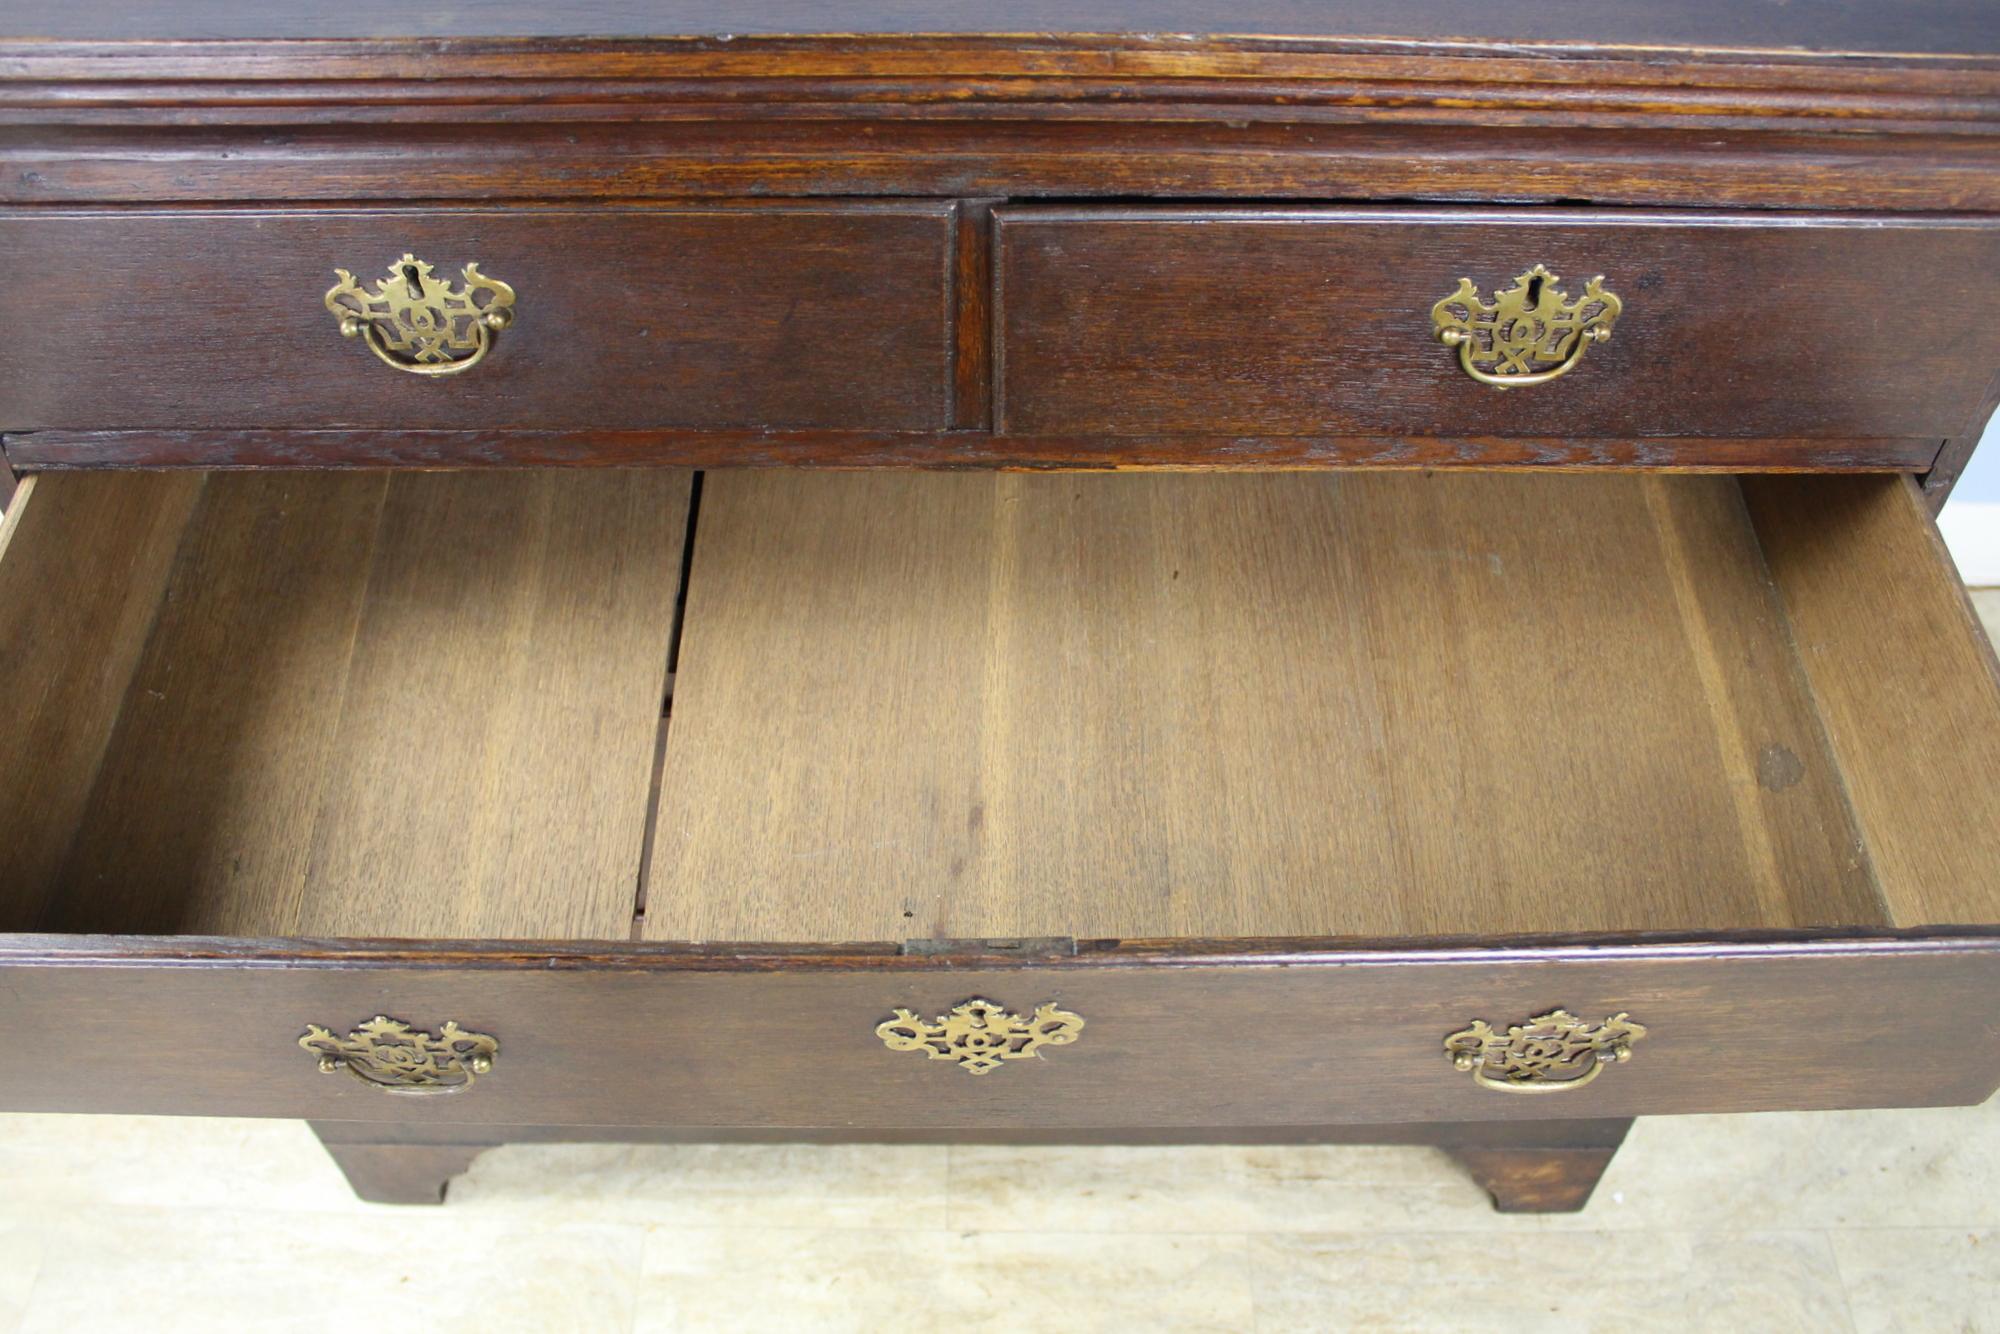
pixel 1934 26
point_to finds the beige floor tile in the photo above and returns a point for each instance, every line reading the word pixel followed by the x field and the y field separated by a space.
pixel 204 1270
pixel 714 1185
pixel 21 1247
pixel 926 1281
pixel 1210 1189
pixel 1792 1170
pixel 166 1160
pixel 1987 602
pixel 1919 1280
pixel 1912 1168
pixel 1773 1283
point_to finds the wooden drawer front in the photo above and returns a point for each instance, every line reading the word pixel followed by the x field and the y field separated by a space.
pixel 831 317
pixel 645 1039
pixel 1318 322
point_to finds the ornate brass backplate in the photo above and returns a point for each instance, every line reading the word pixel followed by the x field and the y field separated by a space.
pixel 1550 1053
pixel 979 1035
pixel 1528 334
pixel 418 322
pixel 396 1058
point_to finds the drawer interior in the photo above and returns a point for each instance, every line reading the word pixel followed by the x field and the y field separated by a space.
pixel 889 706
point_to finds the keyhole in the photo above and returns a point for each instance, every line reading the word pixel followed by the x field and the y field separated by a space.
pixel 1534 292
pixel 417 288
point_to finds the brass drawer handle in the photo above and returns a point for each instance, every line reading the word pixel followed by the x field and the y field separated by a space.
pixel 396 1058
pixel 418 322
pixel 1551 1053
pixel 979 1035
pixel 1530 334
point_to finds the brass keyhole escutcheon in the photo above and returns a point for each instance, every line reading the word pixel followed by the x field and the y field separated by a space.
pixel 420 323
pixel 978 1035
pixel 1529 333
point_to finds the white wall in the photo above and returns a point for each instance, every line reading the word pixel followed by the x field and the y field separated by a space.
pixel 1971 518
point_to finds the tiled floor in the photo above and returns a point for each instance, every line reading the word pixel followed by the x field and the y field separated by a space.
pixel 1835 1221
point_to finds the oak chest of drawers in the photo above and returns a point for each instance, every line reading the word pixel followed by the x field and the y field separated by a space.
pixel 1366 576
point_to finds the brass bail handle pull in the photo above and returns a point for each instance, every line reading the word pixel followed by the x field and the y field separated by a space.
pixel 1530 333
pixel 421 323
pixel 1550 1053
pixel 397 1057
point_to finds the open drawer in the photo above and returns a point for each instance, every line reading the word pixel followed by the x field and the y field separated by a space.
pixel 1266 786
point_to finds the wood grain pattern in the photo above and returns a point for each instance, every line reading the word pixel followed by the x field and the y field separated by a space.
pixel 1101 77
pixel 1521 1181
pixel 775 317
pixel 972 300
pixel 1588 1134
pixel 1355 102
pixel 961 81
pixel 1318 322
pixel 1905 680
pixel 419 706
pixel 83 564
pixel 1206 725
pixel 401 1173
pixel 1080 707
pixel 1218 155
pixel 201 813
pixel 496 749
pixel 53 450
pixel 611 1037
pixel 1018 706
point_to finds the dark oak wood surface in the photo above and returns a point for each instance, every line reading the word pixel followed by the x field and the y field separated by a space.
pixel 1180 1032
pixel 1528 1136
pixel 1222 152
pixel 767 317
pixel 1530 1181
pixel 1316 322
pixel 400 1173
pixel 945 451
pixel 1814 712
pixel 1162 157
pixel 603 1036
pixel 1732 110
pixel 1100 338
pixel 1697 104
